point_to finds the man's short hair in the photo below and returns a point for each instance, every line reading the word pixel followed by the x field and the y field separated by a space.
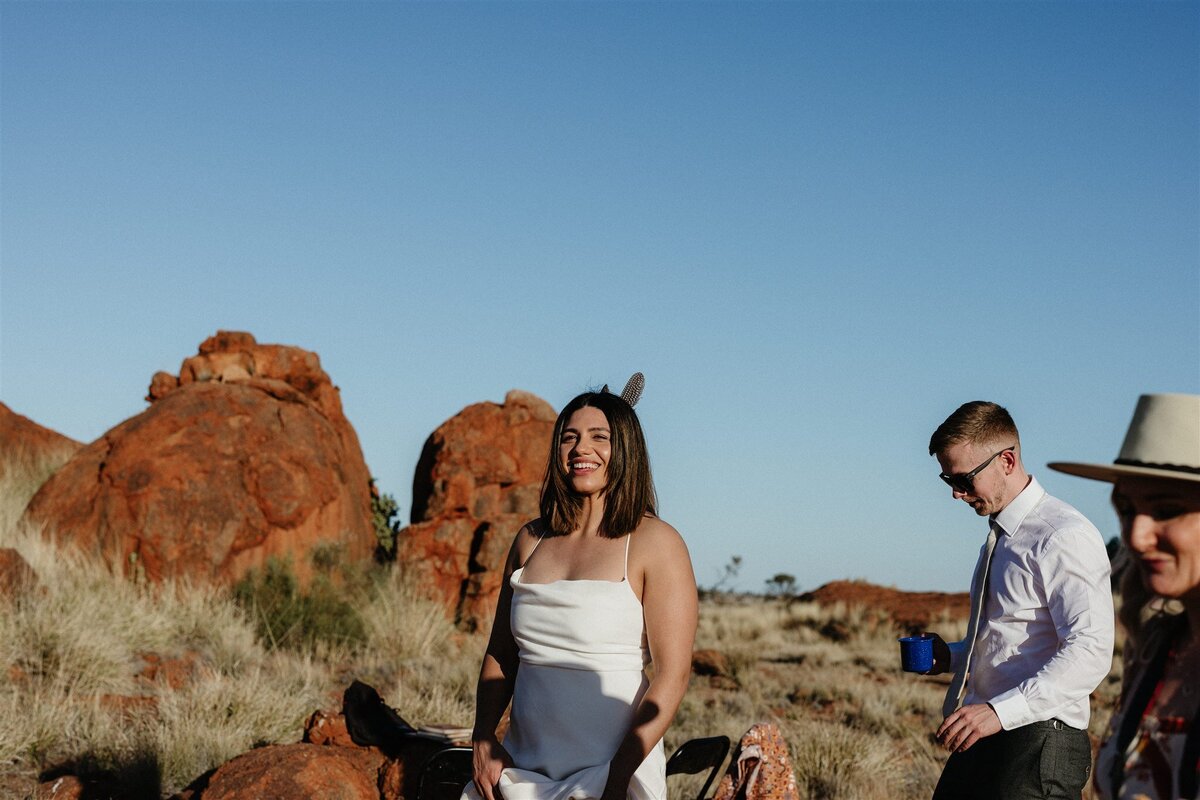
pixel 978 422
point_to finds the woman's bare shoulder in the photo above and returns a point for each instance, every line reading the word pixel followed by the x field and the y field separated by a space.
pixel 653 534
pixel 525 540
pixel 533 528
pixel 659 556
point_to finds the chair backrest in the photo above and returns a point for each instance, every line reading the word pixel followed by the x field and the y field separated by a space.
pixel 697 755
pixel 445 774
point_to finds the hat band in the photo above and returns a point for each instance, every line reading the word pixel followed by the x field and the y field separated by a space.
pixel 1129 462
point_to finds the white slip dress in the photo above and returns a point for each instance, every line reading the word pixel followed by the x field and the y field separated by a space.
pixel 582 648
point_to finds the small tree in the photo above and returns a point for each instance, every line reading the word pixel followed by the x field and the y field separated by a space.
pixel 385 516
pixel 781 585
pixel 728 573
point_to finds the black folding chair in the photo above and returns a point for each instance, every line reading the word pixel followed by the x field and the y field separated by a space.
pixel 695 756
pixel 445 774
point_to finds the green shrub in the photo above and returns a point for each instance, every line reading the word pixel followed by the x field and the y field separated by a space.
pixel 385 516
pixel 287 616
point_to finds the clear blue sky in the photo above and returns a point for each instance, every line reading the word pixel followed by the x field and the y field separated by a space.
pixel 816 227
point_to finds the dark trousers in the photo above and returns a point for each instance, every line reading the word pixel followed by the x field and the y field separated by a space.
pixel 1041 760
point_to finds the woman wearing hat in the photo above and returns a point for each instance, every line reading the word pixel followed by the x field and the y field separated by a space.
pixel 1152 747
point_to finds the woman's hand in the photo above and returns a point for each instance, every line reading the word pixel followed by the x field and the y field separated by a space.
pixel 490 759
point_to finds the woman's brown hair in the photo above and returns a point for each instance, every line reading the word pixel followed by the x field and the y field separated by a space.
pixel 629 494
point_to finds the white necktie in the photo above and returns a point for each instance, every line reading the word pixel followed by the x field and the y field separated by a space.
pixel 958 686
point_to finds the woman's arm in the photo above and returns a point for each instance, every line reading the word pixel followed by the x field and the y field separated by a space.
pixel 497 675
pixel 670 608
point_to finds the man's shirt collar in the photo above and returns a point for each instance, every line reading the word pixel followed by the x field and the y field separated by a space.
pixel 1013 514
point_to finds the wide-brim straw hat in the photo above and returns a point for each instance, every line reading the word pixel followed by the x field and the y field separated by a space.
pixel 1163 442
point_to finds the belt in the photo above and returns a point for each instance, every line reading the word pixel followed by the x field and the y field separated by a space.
pixel 1056 724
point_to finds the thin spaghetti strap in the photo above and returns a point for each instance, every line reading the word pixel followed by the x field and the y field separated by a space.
pixel 628 536
pixel 541 536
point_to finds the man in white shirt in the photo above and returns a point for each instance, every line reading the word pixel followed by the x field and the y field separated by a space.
pixel 1017 712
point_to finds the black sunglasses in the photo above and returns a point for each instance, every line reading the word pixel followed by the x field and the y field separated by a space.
pixel 965 481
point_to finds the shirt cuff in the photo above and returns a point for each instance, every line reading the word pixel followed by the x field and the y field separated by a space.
pixel 1012 709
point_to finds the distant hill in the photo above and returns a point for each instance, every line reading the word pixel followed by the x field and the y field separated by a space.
pixel 910 610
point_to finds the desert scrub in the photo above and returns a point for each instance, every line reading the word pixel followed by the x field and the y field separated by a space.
pixel 22 473
pixel 423 666
pixel 834 761
pixel 376 624
pixel 72 651
pixel 223 714
pixel 781 628
pixel 841 702
pixel 402 624
pixel 385 519
pixel 289 615
pixel 704 713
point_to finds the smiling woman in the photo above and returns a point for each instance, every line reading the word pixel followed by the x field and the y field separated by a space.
pixel 595 589
pixel 600 456
pixel 585 447
pixel 1153 742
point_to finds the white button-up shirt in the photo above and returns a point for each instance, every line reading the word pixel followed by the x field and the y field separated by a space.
pixel 1046 632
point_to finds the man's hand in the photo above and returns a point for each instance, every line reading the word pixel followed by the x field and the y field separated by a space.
pixel 941 654
pixel 967 726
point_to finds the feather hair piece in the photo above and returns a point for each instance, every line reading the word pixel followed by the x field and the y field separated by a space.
pixel 633 388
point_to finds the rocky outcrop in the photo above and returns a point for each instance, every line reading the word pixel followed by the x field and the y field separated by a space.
pixel 912 611
pixel 478 480
pixel 328 729
pixel 287 771
pixel 29 454
pixel 710 663
pixel 65 787
pixel 244 455
pixel 384 763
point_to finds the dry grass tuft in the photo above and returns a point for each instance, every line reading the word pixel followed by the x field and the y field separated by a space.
pixel 23 471
pixel 421 664
pixel 74 648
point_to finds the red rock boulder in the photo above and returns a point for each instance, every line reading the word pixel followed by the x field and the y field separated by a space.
pixel 244 456
pixel 477 482
pixel 65 787
pixel 290 771
pixel 327 728
pixel 29 454
pixel 713 663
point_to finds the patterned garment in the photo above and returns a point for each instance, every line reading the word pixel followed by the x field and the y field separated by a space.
pixel 1153 758
pixel 760 769
pixel 1144 756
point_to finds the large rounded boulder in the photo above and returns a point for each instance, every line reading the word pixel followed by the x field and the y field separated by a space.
pixel 292 771
pixel 243 456
pixel 477 482
pixel 29 454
